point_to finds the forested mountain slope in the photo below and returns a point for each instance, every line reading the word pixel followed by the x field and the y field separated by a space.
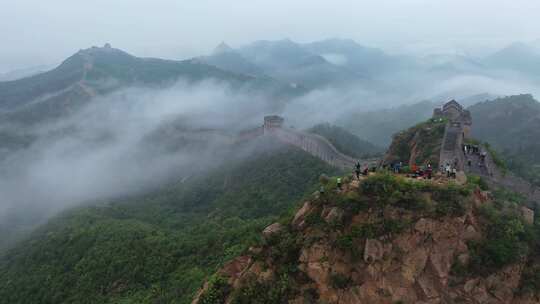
pixel 157 248
pixel 512 125
pixel 96 71
pixel 346 142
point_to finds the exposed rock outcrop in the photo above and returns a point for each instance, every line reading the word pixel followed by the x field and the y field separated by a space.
pixel 337 254
pixel 419 145
pixel 272 230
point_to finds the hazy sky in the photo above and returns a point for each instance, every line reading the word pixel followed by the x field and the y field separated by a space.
pixel 37 32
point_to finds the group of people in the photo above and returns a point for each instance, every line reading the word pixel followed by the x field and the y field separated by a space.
pixel 359 171
pixel 425 172
pixel 474 150
pixel 397 168
pixel 471 149
pixel 451 171
pixel 393 167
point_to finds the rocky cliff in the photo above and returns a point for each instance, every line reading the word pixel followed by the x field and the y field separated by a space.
pixel 390 239
pixel 420 145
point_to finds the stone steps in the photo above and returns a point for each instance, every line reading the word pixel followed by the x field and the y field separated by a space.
pixel 451 139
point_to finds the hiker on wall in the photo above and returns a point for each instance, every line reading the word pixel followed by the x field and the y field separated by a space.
pixel 447 169
pixel 429 171
pixel 339 183
pixel 397 168
pixel 357 170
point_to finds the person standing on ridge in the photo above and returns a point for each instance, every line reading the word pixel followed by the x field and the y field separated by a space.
pixel 339 183
pixel 429 171
pixel 357 170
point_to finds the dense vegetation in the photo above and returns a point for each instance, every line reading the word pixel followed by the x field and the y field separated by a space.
pixel 160 247
pixel 508 239
pixel 345 142
pixel 376 193
pixel 511 125
pixel 418 145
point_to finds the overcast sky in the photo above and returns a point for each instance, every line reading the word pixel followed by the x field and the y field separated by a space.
pixel 35 32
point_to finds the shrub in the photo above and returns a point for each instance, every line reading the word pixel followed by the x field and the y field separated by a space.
pixel 449 201
pixel 393 226
pixel 285 250
pixel 506 242
pixel 475 180
pixel 530 279
pixel 502 194
pixel 411 200
pixel 218 290
pixel 264 293
pixel 346 241
pixel 406 194
pixel 352 202
pixel 380 185
pixel 315 219
pixel 339 281
pixel 499 162
pixel 364 231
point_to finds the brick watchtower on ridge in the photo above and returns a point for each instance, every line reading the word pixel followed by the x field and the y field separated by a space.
pixel 273 122
pixel 456 114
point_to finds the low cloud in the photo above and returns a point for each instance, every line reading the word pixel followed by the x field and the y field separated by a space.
pixel 126 142
pixel 337 59
pixel 136 139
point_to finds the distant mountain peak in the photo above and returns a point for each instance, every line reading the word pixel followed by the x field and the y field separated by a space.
pixel 107 48
pixel 223 47
pixel 520 48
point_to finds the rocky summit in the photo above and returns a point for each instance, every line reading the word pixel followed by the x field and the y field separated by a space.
pixel 389 239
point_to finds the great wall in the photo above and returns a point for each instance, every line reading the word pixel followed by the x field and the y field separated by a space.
pixel 313 144
pixel 457 133
pixel 457 130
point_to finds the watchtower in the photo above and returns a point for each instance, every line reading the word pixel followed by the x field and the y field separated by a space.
pixel 272 122
pixel 456 114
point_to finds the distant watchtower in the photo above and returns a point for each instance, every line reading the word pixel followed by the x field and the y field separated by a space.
pixel 273 122
pixel 456 114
